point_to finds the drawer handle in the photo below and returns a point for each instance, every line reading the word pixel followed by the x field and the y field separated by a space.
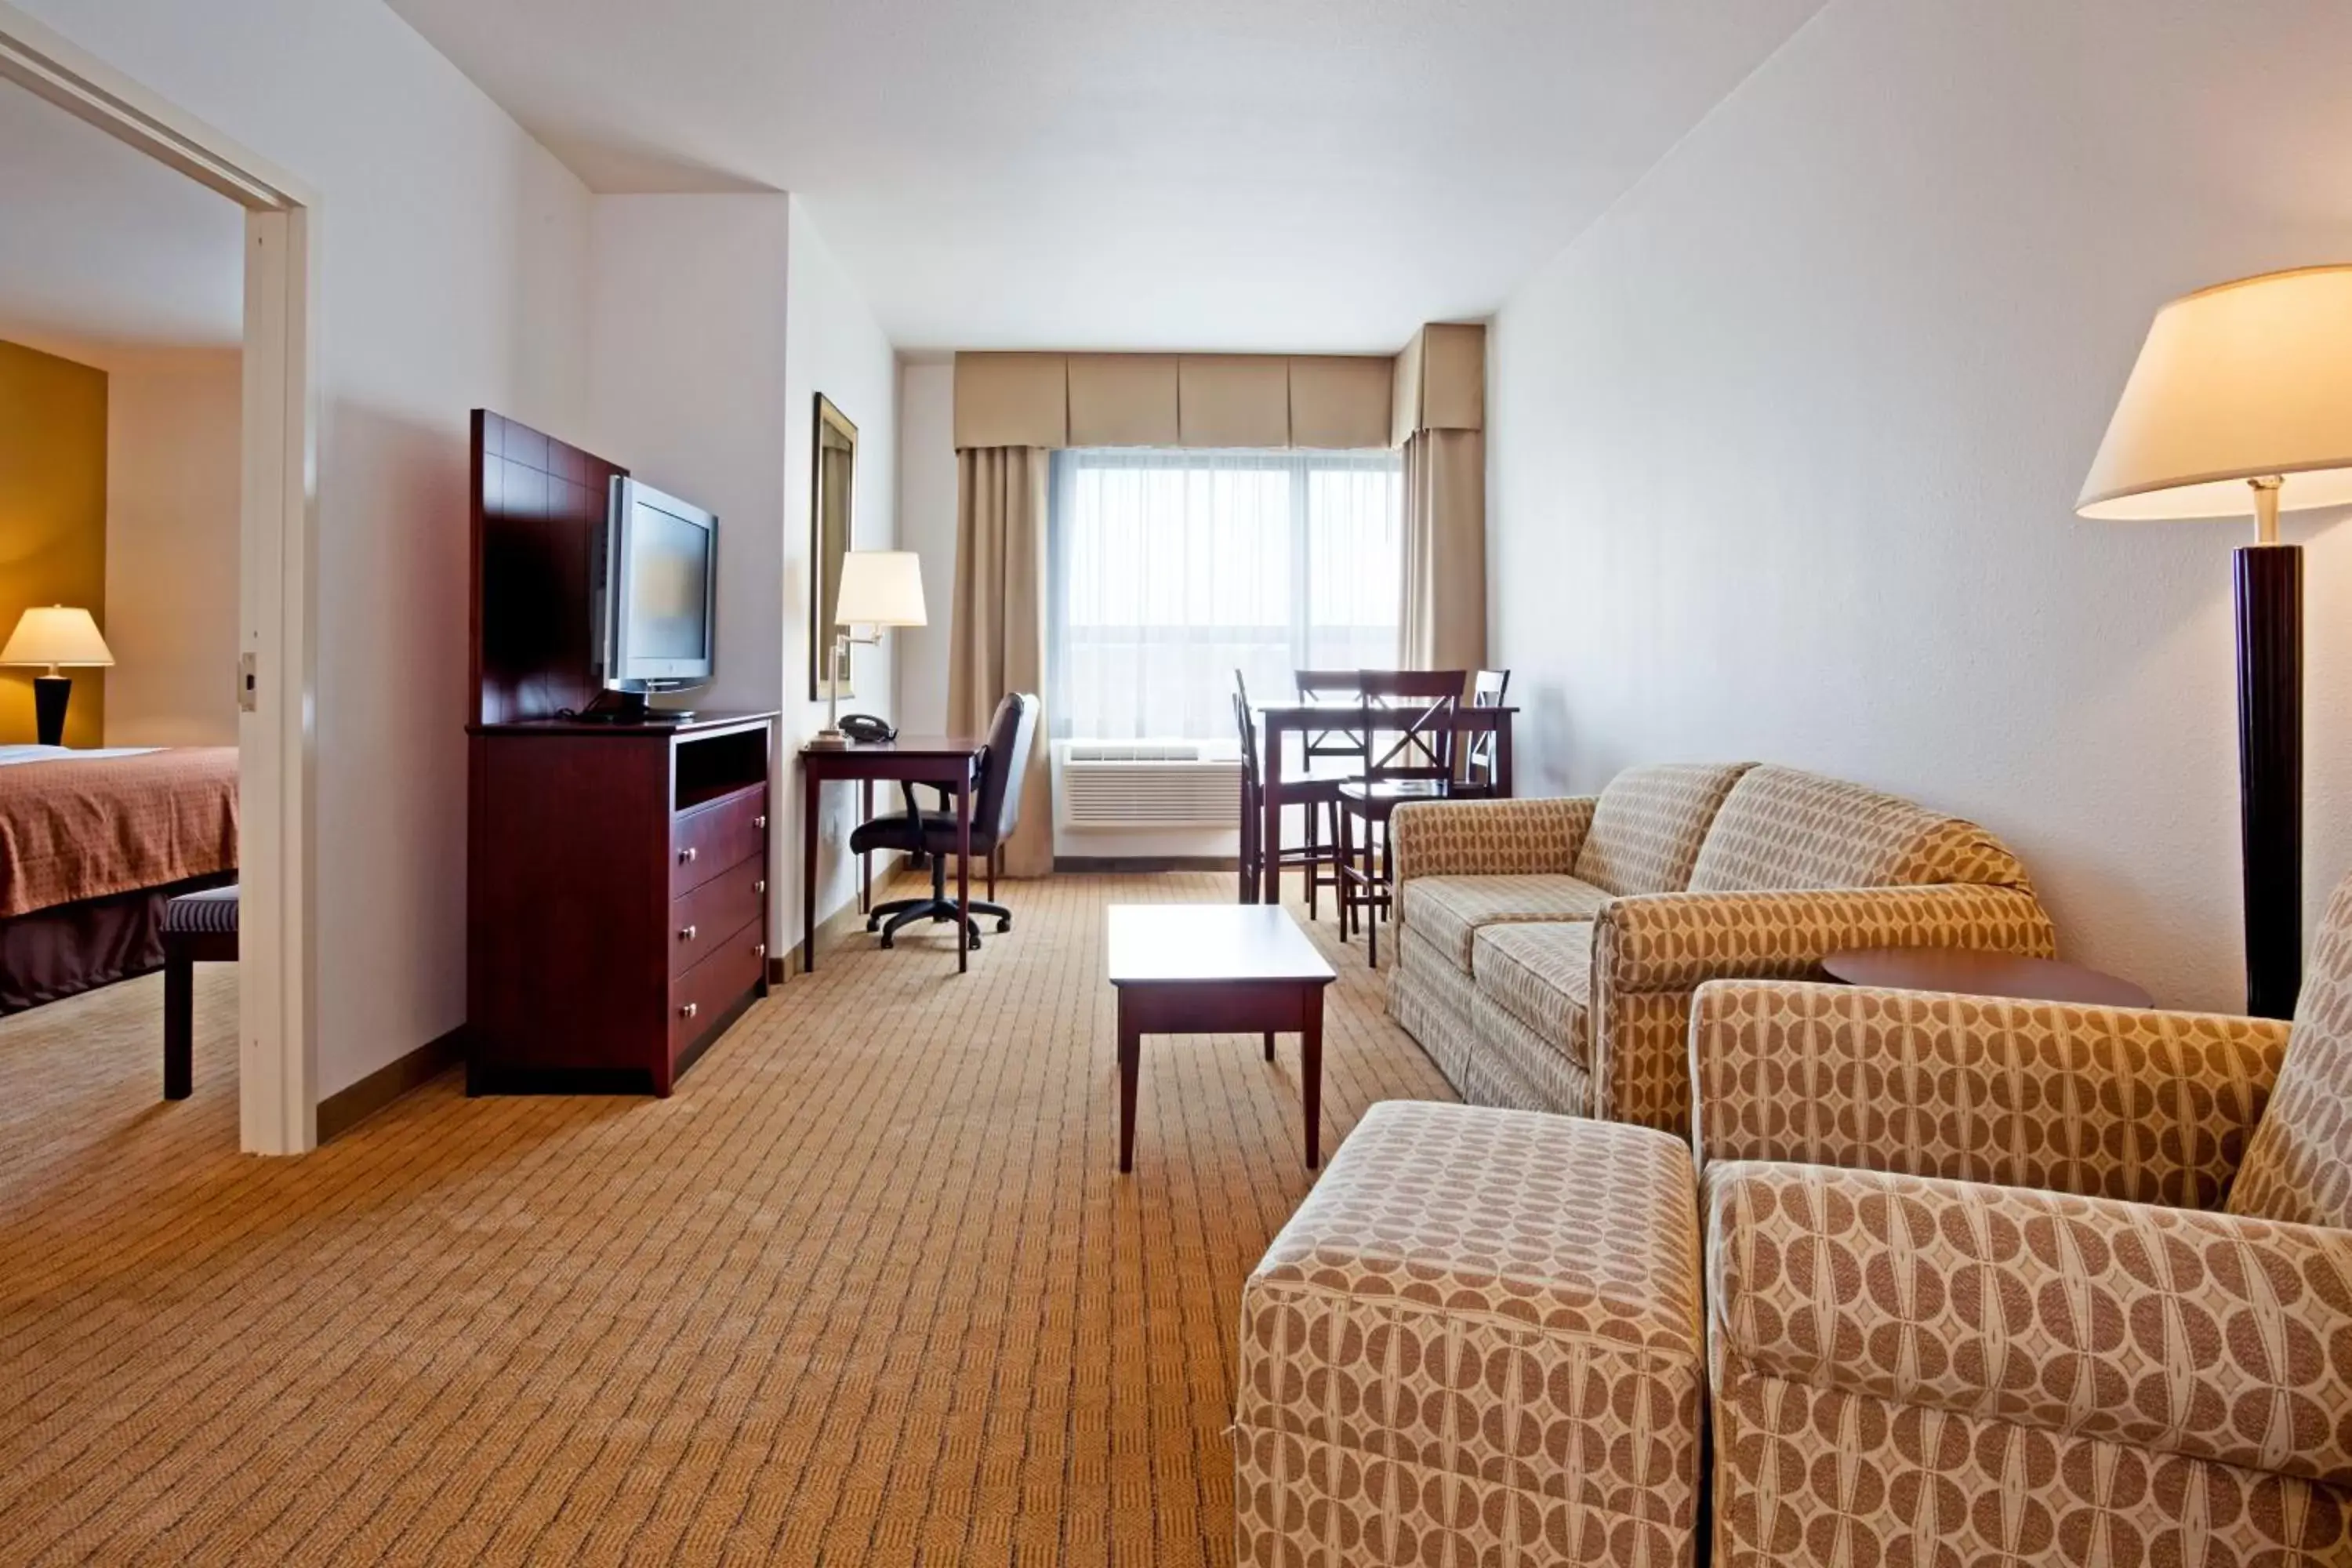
pixel 761 886
pixel 759 822
pixel 687 854
pixel 759 949
pixel 685 933
pixel 688 1011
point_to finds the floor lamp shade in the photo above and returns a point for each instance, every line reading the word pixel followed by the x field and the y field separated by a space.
pixel 2241 402
pixel 55 635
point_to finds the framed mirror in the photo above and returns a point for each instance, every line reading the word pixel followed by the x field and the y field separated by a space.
pixel 832 474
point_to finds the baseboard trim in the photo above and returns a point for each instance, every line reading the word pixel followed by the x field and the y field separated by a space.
pixel 346 1107
pixel 1134 863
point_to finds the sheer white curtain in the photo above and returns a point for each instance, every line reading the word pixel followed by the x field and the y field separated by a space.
pixel 1171 569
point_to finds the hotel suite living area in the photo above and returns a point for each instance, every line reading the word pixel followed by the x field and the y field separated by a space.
pixel 1282 783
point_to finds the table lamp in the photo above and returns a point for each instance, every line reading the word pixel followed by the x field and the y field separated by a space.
pixel 55 635
pixel 2241 402
pixel 878 588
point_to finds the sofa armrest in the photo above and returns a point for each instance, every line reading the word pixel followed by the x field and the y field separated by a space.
pixel 1672 942
pixel 2152 1106
pixel 2209 1336
pixel 1489 838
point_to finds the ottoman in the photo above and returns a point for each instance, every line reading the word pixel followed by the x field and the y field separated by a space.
pixel 1478 1340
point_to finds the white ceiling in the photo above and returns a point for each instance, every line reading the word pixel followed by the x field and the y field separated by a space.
pixel 1133 173
pixel 102 249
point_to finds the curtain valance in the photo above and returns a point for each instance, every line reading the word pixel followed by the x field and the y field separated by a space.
pixel 1341 402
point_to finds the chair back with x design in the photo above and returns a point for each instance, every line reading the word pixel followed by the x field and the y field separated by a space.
pixel 1407 716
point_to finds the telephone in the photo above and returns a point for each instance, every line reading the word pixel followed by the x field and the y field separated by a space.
pixel 866 729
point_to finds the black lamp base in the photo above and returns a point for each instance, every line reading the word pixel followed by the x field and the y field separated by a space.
pixel 2268 582
pixel 50 695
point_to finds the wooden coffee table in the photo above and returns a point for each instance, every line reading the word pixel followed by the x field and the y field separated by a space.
pixel 1216 969
pixel 1971 972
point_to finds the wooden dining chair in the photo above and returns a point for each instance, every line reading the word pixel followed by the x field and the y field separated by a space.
pixel 1477 750
pixel 1312 858
pixel 1408 722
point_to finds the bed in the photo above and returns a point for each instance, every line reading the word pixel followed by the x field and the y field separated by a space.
pixel 92 845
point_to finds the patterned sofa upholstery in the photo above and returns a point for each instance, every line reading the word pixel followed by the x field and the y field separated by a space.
pixel 1547 949
pixel 1994 1281
pixel 1478 1340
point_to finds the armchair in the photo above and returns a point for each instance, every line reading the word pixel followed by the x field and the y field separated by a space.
pixel 1992 1281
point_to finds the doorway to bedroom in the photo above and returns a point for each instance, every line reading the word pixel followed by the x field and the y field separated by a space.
pixel 154 431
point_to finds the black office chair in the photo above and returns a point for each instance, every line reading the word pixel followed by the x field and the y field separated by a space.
pixel 995 812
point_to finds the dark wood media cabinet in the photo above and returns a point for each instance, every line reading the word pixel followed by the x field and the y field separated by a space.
pixel 617 909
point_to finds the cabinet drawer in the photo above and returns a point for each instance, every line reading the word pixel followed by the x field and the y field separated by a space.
pixel 726 904
pixel 698 997
pixel 711 838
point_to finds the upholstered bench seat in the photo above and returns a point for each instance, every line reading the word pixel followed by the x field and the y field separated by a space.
pixel 198 928
pixel 212 910
pixel 1478 1340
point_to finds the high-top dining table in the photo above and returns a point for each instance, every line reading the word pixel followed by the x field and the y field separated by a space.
pixel 1276 719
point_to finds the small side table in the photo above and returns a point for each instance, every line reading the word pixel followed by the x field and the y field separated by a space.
pixel 1216 969
pixel 1971 972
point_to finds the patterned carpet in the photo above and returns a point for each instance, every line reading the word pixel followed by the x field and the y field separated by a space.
pixel 868 1289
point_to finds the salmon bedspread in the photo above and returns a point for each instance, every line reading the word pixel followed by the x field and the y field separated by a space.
pixel 86 829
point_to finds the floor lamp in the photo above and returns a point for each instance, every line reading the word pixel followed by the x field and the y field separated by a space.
pixel 2242 401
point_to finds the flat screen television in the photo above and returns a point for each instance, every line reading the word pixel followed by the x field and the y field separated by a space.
pixel 653 594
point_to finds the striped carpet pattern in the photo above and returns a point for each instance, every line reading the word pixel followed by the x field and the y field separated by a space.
pixel 867 1289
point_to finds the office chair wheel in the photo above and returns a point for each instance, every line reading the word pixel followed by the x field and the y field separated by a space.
pixel 886 939
pixel 1004 924
pixel 971 940
pixel 873 923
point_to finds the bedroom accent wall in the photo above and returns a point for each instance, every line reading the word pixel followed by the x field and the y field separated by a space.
pixel 1785 449
pixel 173 419
pixel 52 520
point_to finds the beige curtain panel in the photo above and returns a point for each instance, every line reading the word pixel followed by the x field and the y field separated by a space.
pixel 996 639
pixel 1444 621
pixel 1336 402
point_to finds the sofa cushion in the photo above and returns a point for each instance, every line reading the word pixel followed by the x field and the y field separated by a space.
pixel 1781 827
pixel 1649 823
pixel 1541 976
pixel 1448 910
pixel 2298 1169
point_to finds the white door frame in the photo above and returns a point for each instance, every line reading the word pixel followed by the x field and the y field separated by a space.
pixel 277 579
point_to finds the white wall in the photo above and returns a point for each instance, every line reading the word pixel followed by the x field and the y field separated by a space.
pixel 453 250
pixel 833 346
pixel 687 378
pixel 1785 449
pixel 172 526
pixel 927 525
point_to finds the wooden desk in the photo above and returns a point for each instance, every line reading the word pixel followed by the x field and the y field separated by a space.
pixel 1215 969
pixel 1278 719
pixel 953 762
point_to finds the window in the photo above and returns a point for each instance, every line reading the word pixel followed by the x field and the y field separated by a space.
pixel 1171 570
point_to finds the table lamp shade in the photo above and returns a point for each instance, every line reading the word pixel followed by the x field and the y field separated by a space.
pixel 2241 380
pixel 880 588
pixel 56 635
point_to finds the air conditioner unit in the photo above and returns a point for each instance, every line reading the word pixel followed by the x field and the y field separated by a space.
pixel 1156 786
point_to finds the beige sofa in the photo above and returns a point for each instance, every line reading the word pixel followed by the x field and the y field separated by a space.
pixel 1547 949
